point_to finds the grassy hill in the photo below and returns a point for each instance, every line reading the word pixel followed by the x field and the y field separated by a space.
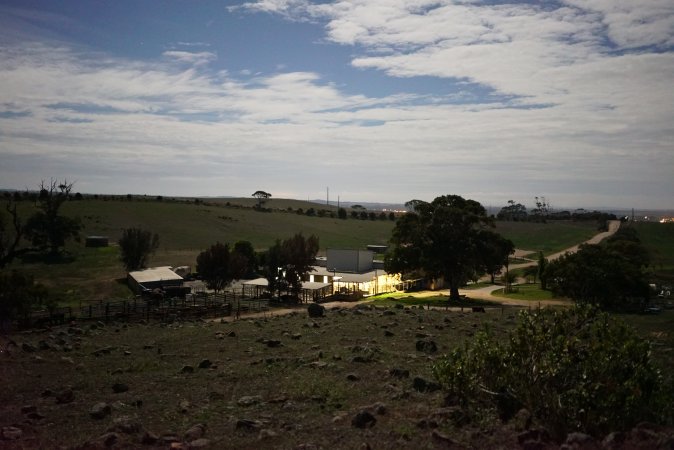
pixel 186 227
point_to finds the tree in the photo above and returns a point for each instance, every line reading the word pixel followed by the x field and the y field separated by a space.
pixel 136 246
pixel 600 275
pixel 261 197
pixel 542 209
pixel 47 229
pixel 10 237
pixel 213 265
pixel 442 238
pixel 341 213
pixel 19 295
pixel 494 250
pixel 244 249
pixel 542 265
pixel 512 212
pixel 288 262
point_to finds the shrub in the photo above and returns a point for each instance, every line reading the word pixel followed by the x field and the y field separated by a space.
pixel 573 370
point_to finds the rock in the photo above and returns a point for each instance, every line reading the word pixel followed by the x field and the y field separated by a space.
pixel 205 364
pixel 99 410
pixel 614 440
pixel 187 369
pixel 118 388
pixel 364 419
pixel 231 334
pixel 378 408
pixel 126 425
pixel 28 347
pixel 28 409
pixel 315 310
pixel 65 396
pixel 442 439
pixel 296 336
pixel 184 406
pixel 388 333
pixel 273 343
pixel 149 438
pixel 352 377
pixel 389 312
pixel 11 433
pixel 195 432
pixel 533 438
pixel 580 441
pixel 106 440
pixel 423 385
pixel 199 443
pixel 248 425
pixel 249 400
pixel 397 372
pixel 426 346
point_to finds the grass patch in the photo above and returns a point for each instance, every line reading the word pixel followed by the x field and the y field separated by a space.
pixel 531 292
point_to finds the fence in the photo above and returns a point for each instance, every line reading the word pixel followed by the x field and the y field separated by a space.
pixel 193 306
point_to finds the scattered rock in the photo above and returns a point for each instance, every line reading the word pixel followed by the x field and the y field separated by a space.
pixel 149 438
pixel 65 396
pixel 99 410
pixel 118 388
pixel 187 369
pixel 205 364
pixel 11 433
pixel 315 310
pixel 352 377
pixel 195 432
pixel 426 346
pixel 126 425
pixel 397 372
pixel 296 336
pixel 199 443
pixel 273 343
pixel 580 441
pixel 231 334
pixel 443 439
pixel 184 406
pixel 614 440
pixel 389 312
pixel 364 419
pixel 249 400
pixel 388 333
pixel 378 408
pixel 28 347
pixel 422 385
pixel 248 425
pixel 28 409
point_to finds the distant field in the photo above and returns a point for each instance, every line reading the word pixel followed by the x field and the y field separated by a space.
pixel 185 228
pixel 659 239
pixel 550 237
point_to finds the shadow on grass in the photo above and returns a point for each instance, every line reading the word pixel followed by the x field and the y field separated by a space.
pixel 47 258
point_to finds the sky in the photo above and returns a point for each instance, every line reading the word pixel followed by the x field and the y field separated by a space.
pixel 379 100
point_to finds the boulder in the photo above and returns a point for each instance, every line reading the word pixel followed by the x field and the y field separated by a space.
pixel 99 410
pixel 315 310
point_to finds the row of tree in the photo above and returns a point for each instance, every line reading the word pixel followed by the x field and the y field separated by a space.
pixel 284 265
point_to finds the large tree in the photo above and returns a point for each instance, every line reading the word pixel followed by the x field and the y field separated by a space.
pixel 219 265
pixel 442 238
pixel 494 250
pixel 611 274
pixel 136 246
pixel 10 235
pixel 261 197
pixel 288 262
pixel 47 228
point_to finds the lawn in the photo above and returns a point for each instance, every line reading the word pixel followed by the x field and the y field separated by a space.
pixel 551 237
pixel 532 292
pixel 659 240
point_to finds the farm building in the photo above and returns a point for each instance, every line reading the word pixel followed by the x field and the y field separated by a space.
pixel 354 271
pixel 153 278
pixel 310 290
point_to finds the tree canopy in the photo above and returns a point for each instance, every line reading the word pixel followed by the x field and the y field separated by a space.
pixel 443 238
pixel 288 262
pixel 261 197
pixel 611 274
pixel 136 246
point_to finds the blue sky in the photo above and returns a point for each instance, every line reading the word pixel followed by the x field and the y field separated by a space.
pixel 383 100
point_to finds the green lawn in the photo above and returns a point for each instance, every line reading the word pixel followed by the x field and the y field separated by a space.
pixel 532 292
pixel 659 240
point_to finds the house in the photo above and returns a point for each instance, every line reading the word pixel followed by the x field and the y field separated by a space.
pixel 153 278
pixel 353 272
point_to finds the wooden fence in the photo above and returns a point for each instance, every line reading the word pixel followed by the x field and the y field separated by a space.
pixel 193 306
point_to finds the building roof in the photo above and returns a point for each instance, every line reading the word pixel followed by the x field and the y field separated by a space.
pixel 308 285
pixel 348 277
pixel 154 274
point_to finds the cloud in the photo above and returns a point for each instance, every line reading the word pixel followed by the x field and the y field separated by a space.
pixel 194 58
pixel 567 113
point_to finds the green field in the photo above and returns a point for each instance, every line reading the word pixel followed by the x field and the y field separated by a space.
pixel 551 237
pixel 186 227
pixel 659 240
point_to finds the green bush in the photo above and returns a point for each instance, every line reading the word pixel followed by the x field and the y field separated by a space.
pixel 573 370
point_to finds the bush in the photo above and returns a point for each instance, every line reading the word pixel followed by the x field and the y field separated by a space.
pixel 573 370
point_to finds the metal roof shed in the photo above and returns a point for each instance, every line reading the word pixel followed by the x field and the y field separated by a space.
pixel 152 278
